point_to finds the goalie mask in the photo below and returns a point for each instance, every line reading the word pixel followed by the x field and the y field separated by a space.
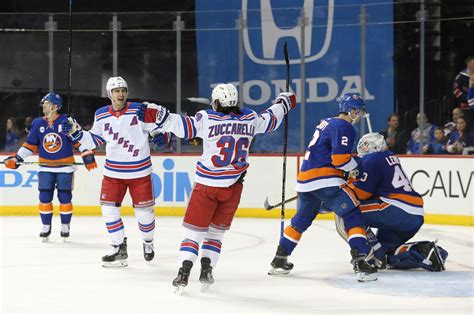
pixel 225 95
pixel 115 83
pixel 371 142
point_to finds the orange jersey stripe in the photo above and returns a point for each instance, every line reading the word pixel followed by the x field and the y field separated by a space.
pixel 76 145
pixel 292 233
pixel 65 207
pixel 339 159
pixel 360 193
pixel 417 201
pixel 373 206
pixel 319 172
pixel 68 160
pixel 33 148
pixel 46 206
pixel 356 230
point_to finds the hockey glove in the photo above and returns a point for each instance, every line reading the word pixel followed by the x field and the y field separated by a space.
pixel 162 139
pixel 72 129
pixel 287 99
pixel 152 113
pixel 12 162
pixel 89 159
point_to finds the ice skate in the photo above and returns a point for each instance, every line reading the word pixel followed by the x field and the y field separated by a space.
pixel 148 250
pixel 206 277
pixel 181 280
pixel 280 264
pixel 45 233
pixel 365 272
pixel 117 257
pixel 64 231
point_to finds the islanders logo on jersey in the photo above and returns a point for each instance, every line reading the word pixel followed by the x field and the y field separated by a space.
pixel 52 142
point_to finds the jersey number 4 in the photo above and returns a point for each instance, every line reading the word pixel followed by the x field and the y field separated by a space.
pixel 232 152
pixel 400 179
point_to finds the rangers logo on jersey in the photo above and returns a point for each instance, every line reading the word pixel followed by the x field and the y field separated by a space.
pixel 52 142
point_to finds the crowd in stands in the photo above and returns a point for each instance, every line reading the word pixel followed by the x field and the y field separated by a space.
pixel 454 137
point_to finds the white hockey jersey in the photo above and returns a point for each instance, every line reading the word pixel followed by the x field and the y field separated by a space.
pixel 226 140
pixel 127 149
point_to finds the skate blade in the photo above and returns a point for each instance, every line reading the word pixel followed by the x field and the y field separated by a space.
pixel 278 272
pixel 45 239
pixel 64 239
pixel 178 290
pixel 365 277
pixel 115 264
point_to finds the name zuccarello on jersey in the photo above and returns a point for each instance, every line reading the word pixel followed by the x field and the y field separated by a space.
pixel 231 129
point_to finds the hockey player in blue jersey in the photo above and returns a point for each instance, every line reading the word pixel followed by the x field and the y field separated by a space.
pixel 321 179
pixel 390 204
pixel 56 159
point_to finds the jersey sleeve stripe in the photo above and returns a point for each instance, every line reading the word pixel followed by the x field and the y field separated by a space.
pixel 185 127
pixel 31 147
pixel 339 160
pixel 98 140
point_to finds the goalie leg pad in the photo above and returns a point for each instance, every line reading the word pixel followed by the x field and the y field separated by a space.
pixel 425 254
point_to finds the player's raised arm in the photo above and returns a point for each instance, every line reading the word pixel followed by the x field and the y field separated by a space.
pixel 271 118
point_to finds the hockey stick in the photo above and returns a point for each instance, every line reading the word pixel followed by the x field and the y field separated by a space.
pixel 268 206
pixel 285 144
pixel 46 163
pixel 369 124
pixel 69 63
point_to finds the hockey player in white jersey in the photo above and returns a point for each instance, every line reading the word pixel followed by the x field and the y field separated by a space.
pixel 127 165
pixel 227 132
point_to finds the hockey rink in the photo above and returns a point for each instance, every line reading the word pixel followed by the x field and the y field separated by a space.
pixel 59 277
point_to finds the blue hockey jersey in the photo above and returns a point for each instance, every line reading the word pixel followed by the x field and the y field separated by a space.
pixel 383 177
pixel 328 156
pixel 46 139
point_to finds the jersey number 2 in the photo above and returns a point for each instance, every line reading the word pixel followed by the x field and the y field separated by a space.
pixel 232 152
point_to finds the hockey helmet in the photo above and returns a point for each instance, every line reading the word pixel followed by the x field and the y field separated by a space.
pixel 351 101
pixel 54 99
pixel 226 94
pixel 371 142
pixel 115 83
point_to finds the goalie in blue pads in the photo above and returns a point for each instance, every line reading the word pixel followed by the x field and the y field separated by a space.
pixel 390 204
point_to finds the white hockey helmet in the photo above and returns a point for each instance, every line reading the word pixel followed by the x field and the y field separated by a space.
pixel 115 83
pixel 226 94
pixel 371 142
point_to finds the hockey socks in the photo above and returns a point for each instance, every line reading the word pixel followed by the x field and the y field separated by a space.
pixel 146 222
pixel 46 213
pixel 65 211
pixel 290 239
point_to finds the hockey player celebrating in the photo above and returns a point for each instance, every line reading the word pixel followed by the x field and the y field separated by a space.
pixel 127 166
pixel 227 132
pixel 390 204
pixel 321 179
pixel 56 159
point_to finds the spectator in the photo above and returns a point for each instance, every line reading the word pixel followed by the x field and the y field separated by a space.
pixel 12 141
pixel 461 84
pixel 420 137
pixel 460 138
pixel 26 130
pixel 438 145
pixel 395 137
pixel 450 126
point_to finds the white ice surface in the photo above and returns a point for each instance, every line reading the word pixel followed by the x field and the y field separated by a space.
pixel 67 277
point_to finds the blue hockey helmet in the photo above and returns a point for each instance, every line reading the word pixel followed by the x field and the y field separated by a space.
pixel 351 101
pixel 53 98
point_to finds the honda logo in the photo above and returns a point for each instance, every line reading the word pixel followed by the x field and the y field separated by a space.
pixel 271 34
